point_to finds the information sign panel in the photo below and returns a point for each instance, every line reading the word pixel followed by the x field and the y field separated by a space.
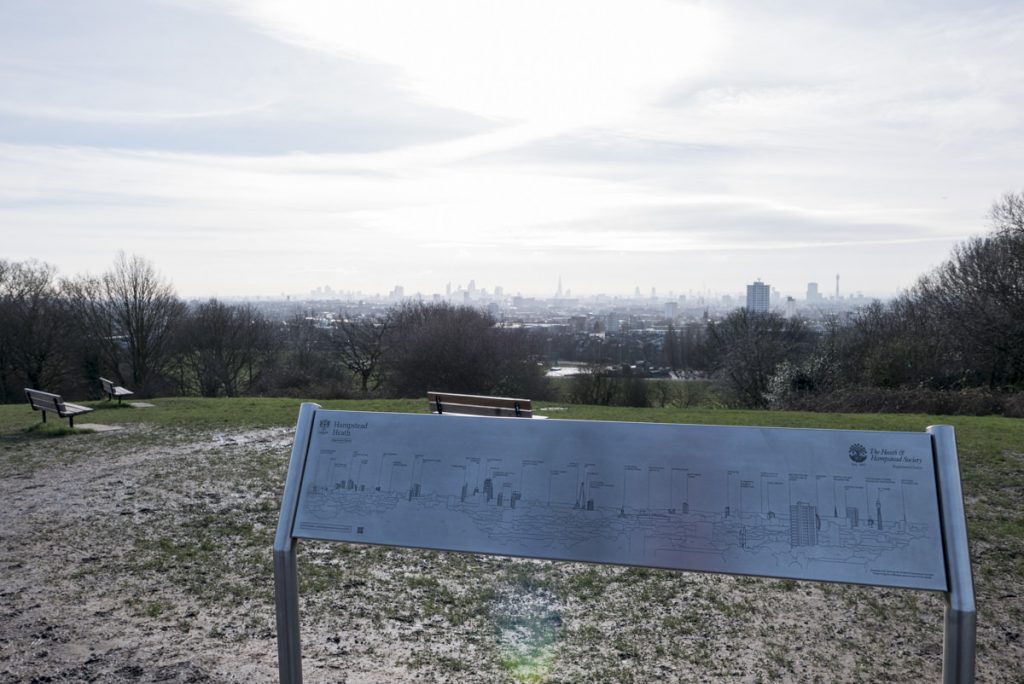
pixel 832 505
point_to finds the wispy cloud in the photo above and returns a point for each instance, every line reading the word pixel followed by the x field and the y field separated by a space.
pixel 65 113
pixel 617 143
pixel 568 63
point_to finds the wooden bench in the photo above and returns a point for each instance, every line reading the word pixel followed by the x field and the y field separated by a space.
pixel 53 403
pixel 111 391
pixel 477 405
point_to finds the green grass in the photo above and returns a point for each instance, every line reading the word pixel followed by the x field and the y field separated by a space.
pixel 990 447
pixel 53 429
pixel 203 413
pixel 990 432
pixel 991 452
pixel 522 619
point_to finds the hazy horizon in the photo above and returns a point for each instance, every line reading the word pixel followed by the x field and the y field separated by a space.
pixel 269 147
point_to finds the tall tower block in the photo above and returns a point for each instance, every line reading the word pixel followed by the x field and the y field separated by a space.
pixel 758 297
pixel 837 286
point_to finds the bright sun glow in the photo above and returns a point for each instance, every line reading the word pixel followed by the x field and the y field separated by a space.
pixel 544 63
pixel 674 144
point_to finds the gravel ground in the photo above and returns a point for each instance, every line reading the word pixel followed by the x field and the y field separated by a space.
pixel 145 555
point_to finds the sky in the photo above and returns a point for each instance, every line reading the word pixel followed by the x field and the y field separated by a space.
pixel 261 147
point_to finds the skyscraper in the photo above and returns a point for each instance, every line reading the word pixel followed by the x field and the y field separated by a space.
pixel 853 515
pixel 803 524
pixel 758 297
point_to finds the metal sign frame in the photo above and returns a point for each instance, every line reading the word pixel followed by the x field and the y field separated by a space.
pixel 960 611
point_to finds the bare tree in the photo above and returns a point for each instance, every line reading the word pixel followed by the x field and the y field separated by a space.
pixel 309 364
pixel 458 349
pixel 440 347
pixel 892 345
pixel 593 384
pixel 1007 214
pixel 979 294
pixel 749 346
pixel 519 368
pixel 6 369
pixel 128 315
pixel 361 345
pixel 33 339
pixel 225 349
pixel 961 325
pixel 670 348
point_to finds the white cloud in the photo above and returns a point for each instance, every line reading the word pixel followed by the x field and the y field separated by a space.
pixel 126 116
pixel 568 63
pixel 599 136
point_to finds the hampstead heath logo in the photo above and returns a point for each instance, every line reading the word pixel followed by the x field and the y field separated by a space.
pixel 858 454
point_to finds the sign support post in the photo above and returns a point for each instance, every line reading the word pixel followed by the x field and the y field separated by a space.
pixel 286 576
pixel 958 648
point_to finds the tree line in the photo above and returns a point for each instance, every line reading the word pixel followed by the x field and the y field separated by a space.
pixel 956 338
pixel 953 342
pixel 128 325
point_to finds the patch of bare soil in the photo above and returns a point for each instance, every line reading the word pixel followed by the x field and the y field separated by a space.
pixel 145 555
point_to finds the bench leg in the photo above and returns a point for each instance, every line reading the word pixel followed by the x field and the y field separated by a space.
pixel 71 422
pixel 44 415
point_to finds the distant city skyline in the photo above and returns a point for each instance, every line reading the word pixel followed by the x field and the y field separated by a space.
pixel 765 296
pixel 254 149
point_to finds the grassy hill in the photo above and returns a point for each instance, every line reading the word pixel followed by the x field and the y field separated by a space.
pixel 114 542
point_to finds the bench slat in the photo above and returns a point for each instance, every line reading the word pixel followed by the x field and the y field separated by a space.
pixel 471 410
pixel 476 400
pixel 39 395
pixel 46 405
pixel 75 409
pixel 476 405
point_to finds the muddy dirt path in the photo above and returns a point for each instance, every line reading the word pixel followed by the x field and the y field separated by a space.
pixel 144 555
